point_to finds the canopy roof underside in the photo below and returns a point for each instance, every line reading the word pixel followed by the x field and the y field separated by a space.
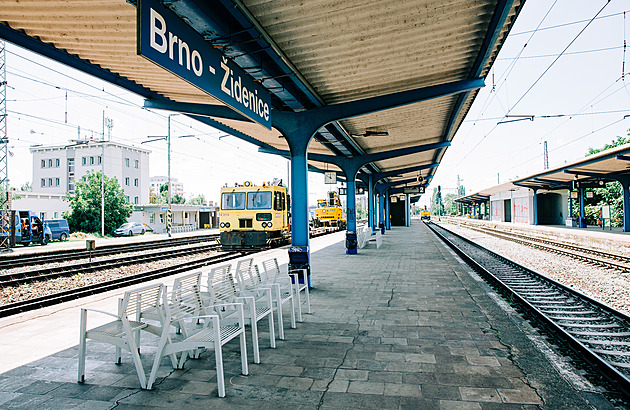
pixel 312 53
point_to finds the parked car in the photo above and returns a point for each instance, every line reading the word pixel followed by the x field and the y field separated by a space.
pixel 130 229
pixel 58 228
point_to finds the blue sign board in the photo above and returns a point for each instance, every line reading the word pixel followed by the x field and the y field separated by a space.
pixel 169 42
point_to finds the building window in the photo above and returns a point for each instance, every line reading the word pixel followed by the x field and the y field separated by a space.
pixel 135 200
pixel 135 182
pixel 43 182
pixel 50 163
pixel 100 160
pixel 127 199
pixel 161 218
pixel 57 162
pixel 127 181
pixel 91 160
pixel 136 163
pixel 42 215
pixel 56 181
pixel 49 181
pixel 83 161
pixel 84 179
pixel 127 162
pixel 55 215
pixel 151 218
pixel 43 163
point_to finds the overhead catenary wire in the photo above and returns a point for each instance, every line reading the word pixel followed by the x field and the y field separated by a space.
pixel 536 81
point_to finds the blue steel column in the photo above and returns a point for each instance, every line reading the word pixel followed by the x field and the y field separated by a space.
pixel 381 211
pixel 351 225
pixel 370 202
pixel 408 221
pixel 388 221
pixel 625 184
pixel 582 215
pixel 535 206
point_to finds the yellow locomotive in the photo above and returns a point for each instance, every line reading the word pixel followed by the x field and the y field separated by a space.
pixel 425 214
pixel 254 217
pixel 329 212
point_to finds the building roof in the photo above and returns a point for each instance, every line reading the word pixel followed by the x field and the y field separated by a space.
pixel 87 144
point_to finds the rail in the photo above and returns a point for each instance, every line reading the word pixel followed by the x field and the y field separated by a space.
pixel 594 330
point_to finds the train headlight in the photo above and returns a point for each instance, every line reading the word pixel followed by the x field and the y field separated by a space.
pixel 222 224
pixel 264 224
pixel 227 224
pixel 269 224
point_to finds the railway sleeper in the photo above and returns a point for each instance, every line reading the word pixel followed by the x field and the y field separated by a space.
pixel 601 334
pixel 617 353
pixel 577 319
pixel 568 313
pixel 604 342
pixel 591 326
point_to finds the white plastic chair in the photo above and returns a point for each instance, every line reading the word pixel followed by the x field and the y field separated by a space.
pixel 250 280
pixel 272 273
pixel 222 289
pixel 124 331
pixel 205 331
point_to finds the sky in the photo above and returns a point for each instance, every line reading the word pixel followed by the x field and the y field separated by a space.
pixel 562 65
pixel 559 67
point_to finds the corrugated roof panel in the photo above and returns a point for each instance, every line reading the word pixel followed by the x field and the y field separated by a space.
pixel 346 50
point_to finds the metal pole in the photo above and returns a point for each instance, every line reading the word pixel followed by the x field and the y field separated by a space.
pixel 103 178
pixel 168 197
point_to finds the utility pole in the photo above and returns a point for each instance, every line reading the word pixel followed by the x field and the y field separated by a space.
pixel 545 156
pixel 169 214
pixel 5 200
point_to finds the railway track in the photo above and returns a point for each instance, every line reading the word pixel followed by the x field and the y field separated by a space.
pixel 592 256
pixel 46 273
pixel 15 261
pixel 599 333
pixel 72 294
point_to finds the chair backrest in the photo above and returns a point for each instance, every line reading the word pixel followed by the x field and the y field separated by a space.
pixel 221 284
pixel 136 301
pixel 186 295
pixel 243 265
pixel 248 279
pixel 270 269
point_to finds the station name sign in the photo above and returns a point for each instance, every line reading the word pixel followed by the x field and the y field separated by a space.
pixel 169 42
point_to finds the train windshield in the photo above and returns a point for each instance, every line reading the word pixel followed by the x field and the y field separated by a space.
pixel 259 200
pixel 233 200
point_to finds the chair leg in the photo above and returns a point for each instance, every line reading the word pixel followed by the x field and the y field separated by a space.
pixel 308 298
pixel 133 349
pixel 255 335
pixel 82 337
pixel 299 301
pixel 293 326
pixel 218 356
pixel 280 319
pixel 272 331
pixel 244 369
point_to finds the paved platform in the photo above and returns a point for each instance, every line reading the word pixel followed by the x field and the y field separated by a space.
pixel 403 326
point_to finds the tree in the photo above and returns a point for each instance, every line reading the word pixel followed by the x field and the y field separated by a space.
pixel 196 200
pixel 611 194
pixel 27 187
pixel 85 205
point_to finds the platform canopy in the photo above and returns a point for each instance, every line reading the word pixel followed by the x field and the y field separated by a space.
pixel 306 54
pixel 591 171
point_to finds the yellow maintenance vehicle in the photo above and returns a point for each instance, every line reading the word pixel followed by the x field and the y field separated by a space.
pixel 330 212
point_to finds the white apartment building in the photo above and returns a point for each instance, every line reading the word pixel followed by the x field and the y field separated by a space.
pixel 57 168
pixel 156 182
